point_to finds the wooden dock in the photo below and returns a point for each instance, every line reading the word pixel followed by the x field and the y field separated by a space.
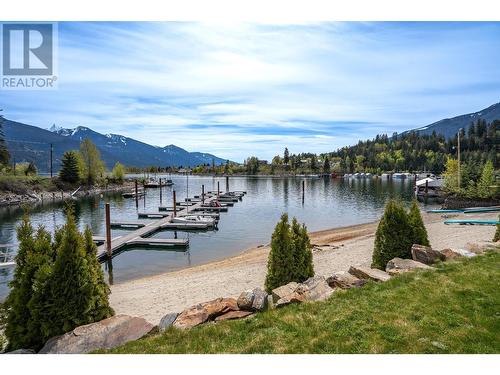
pixel 127 224
pixel 140 236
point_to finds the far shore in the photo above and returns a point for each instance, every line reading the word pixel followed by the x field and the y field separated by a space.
pixel 335 250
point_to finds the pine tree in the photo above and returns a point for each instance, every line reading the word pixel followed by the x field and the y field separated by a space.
pixel 487 180
pixel 286 156
pixel 417 225
pixel 326 165
pixel 4 152
pixel 70 170
pixel 393 237
pixel 280 263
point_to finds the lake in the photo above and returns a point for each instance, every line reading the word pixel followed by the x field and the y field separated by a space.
pixel 328 203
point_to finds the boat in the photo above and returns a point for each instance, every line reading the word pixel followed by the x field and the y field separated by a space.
pixel 429 188
pixel 151 183
pixel 190 219
pixel 169 183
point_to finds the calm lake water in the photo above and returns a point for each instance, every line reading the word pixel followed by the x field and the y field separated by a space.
pixel 328 203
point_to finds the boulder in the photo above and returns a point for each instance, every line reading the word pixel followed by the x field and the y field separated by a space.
pixel 231 315
pixel 450 254
pixel 259 300
pixel 344 281
pixel 284 290
pixel 204 312
pixel 167 321
pixel 316 289
pixel 369 273
pixel 22 351
pixel 397 265
pixel 106 334
pixel 245 300
pixel 425 254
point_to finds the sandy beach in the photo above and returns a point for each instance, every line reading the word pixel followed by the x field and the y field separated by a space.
pixel 335 251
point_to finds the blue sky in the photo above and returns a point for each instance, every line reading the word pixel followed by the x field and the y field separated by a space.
pixel 237 90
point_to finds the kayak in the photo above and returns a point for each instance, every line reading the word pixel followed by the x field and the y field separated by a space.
pixel 472 222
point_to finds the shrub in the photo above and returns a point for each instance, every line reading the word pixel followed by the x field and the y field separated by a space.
pixel 417 225
pixel 393 237
pixel 290 258
pixel 497 232
pixel 487 180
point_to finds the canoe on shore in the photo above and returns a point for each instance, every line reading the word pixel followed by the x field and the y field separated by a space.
pixel 470 210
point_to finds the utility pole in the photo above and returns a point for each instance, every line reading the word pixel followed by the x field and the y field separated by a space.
pixel 51 153
pixel 459 130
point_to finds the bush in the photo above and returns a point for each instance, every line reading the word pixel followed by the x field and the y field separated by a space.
pixel 393 237
pixel 417 225
pixel 290 258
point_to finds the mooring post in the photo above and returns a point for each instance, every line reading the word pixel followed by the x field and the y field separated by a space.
pixel 218 189
pixel 303 189
pixel 53 196
pixel 108 231
pixel 227 184
pixel 426 186
pixel 160 192
pixel 136 195
pixel 175 203
pixel 62 195
pixel 203 193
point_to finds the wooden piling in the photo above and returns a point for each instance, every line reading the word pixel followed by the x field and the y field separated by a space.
pixel 136 195
pixel 303 190
pixel 227 184
pixel 203 193
pixel 160 192
pixel 62 195
pixel 218 189
pixel 175 203
pixel 108 231
pixel 426 186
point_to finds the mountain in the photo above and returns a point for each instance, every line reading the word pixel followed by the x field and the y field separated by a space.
pixel 31 143
pixel 450 126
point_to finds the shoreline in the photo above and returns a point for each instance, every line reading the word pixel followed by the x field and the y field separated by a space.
pixel 334 250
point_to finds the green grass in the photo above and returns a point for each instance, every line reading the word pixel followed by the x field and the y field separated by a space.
pixel 454 309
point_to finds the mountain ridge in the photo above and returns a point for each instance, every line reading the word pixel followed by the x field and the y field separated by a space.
pixel 32 143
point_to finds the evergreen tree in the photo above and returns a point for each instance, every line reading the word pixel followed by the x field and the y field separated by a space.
pixel 417 225
pixel 301 252
pixel 280 268
pixel 70 170
pixel 100 308
pixel 326 165
pixel 286 157
pixel 72 285
pixel 487 180
pixel 393 237
pixel 4 152
pixel 35 253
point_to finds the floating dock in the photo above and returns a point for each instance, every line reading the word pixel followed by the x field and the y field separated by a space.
pixel 158 242
pixel 127 225
pixel 472 222
pixel 186 226
pixel 154 215
pixel 169 209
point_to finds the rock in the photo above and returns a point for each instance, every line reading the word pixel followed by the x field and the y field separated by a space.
pixel 167 321
pixel 106 334
pixel 245 300
pixel 231 315
pixel 397 265
pixel 369 273
pixel 317 289
pixel 344 281
pixel 22 351
pixel 284 290
pixel 204 312
pixel 259 300
pixel 450 254
pixel 465 253
pixel 425 254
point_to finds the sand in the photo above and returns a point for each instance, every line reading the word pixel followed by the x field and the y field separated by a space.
pixel 336 250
